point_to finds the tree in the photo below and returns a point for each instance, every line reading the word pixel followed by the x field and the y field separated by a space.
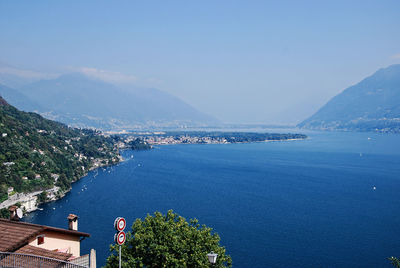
pixel 395 261
pixel 4 213
pixel 42 197
pixel 169 241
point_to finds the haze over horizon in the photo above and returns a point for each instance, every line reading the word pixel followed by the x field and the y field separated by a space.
pixel 242 62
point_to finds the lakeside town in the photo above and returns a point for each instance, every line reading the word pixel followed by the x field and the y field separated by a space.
pixel 203 137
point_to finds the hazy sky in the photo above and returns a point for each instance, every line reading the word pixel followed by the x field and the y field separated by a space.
pixel 241 61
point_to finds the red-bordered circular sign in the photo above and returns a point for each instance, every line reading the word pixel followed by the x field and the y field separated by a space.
pixel 119 224
pixel 120 238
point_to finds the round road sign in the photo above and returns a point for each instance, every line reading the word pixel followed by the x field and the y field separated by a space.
pixel 119 224
pixel 120 238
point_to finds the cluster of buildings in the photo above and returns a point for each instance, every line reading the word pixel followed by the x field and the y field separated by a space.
pixel 29 201
pixel 182 139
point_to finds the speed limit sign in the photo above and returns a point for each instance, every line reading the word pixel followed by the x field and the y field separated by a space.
pixel 120 238
pixel 119 224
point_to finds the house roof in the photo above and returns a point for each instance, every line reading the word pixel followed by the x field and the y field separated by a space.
pixel 31 250
pixel 15 234
pixel 52 258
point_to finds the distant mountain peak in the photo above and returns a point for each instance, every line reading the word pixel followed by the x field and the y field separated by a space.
pixel 84 101
pixel 371 105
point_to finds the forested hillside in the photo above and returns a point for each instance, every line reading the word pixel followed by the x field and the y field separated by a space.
pixel 371 105
pixel 36 153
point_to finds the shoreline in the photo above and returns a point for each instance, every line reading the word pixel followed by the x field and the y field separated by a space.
pixel 29 201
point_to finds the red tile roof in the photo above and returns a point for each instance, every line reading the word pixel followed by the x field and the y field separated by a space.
pixel 15 234
pixel 26 261
pixel 31 250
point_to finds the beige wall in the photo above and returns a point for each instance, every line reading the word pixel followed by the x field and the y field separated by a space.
pixel 55 240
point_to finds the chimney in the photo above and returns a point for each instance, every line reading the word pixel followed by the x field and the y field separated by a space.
pixel 13 213
pixel 72 222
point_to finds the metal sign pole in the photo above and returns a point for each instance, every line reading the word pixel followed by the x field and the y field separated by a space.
pixel 119 256
pixel 120 236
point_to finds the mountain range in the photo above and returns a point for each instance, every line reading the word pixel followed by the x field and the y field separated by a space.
pixel 371 105
pixel 81 101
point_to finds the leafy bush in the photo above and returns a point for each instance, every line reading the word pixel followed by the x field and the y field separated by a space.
pixel 169 241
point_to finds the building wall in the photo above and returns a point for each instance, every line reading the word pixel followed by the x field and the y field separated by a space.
pixel 55 240
pixel 30 204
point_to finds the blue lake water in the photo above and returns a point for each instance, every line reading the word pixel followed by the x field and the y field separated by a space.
pixel 309 203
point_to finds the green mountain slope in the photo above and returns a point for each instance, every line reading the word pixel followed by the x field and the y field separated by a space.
pixel 37 154
pixel 371 105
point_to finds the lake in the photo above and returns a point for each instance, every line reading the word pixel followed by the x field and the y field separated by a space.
pixel 329 201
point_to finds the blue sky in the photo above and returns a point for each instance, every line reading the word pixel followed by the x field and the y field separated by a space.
pixel 241 61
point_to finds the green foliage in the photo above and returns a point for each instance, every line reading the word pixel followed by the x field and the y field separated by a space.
pixel 138 144
pixel 3 193
pixel 4 213
pixel 395 261
pixel 169 241
pixel 134 144
pixel 42 197
pixel 33 150
pixel 63 182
